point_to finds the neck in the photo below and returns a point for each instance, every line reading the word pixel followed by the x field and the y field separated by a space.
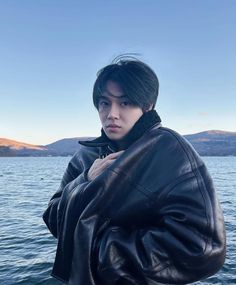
pixel 119 144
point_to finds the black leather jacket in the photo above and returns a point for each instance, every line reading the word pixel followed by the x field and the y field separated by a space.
pixel 151 218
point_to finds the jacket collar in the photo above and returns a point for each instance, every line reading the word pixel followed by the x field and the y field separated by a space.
pixel 145 122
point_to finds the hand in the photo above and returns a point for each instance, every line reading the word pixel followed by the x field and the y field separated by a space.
pixel 100 164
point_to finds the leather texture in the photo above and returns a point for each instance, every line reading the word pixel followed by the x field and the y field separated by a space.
pixel 152 217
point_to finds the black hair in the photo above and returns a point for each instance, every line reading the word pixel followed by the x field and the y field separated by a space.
pixel 136 79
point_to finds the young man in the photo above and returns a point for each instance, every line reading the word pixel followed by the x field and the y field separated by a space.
pixel 137 204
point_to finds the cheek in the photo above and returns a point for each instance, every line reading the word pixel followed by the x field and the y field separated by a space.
pixel 101 117
pixel 139 113
pixel 136 115
pixel 132 117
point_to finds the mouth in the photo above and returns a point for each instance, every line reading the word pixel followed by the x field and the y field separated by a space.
pixel 112 127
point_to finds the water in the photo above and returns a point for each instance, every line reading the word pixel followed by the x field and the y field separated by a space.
pixel 26 247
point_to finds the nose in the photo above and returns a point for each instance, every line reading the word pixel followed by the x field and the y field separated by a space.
pixel 114 112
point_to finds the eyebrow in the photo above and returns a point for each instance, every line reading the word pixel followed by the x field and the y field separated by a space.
pixel 111 95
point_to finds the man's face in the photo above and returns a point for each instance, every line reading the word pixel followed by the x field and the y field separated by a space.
pixel 117 113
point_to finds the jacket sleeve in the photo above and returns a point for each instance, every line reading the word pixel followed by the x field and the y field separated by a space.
pixel 75 175
pixel 185 243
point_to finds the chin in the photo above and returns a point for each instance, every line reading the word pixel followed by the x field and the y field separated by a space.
pixel 114 137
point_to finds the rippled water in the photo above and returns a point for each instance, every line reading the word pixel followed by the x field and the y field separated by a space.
pixel 27 249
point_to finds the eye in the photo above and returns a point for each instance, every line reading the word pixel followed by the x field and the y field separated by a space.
pixel 102 104
pixel 125 103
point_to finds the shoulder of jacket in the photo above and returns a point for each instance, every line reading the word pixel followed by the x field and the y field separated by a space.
pixel 177 146
pixel 172 135
pixel 170 132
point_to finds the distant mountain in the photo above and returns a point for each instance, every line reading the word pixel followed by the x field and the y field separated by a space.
pixel 65 147
pixel 208 143
pixel 14 148
pixel 19 145
pixel 214 143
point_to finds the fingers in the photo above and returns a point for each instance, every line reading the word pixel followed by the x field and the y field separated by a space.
pixel 100 164
pixel 106 163
pixel 114 155
pixel 108 160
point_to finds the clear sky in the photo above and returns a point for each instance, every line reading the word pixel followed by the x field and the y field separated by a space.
pixel 50 51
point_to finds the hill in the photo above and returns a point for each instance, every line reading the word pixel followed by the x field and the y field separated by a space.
pixel 64 147
pixel 214 143
pixel 10 147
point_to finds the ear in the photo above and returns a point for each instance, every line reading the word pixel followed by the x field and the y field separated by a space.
pixel 149 108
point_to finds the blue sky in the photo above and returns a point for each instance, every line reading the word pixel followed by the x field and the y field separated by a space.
pixel 50 51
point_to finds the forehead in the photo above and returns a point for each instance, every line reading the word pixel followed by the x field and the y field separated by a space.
pixel 113 90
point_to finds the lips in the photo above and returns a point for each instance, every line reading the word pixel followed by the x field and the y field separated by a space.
pixel 112 126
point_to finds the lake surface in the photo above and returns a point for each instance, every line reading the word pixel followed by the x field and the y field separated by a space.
pixel 26 247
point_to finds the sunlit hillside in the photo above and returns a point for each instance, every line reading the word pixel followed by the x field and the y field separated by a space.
pixel 18 145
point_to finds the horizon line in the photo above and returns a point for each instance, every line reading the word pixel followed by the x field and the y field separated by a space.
pixel 84 136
